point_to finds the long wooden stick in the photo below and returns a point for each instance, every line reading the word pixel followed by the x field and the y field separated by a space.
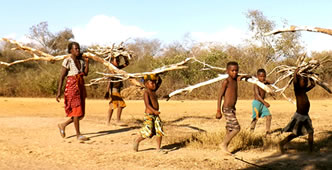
pixel 301 28
pixel 188 89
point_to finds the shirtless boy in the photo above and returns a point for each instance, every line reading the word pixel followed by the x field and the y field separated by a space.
pixel 228 91
pixel 301 122
pixel 259 105
pixel 152 122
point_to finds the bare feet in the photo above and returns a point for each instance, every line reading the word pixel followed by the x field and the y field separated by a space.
pixel 62 130
pixel 135 146
pixel 225 151
pixel 281 148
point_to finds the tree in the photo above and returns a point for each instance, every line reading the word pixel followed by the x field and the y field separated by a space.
pixel 54 44
pixel 271 48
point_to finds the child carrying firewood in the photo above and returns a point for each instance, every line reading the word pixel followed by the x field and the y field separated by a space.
pixel 259 105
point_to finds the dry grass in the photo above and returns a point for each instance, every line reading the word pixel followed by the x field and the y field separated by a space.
pixel 244 140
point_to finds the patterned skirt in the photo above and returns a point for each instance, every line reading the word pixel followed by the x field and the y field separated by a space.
pixel 74 96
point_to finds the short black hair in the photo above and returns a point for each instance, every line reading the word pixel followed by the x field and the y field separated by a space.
pixel 232 63
pixel 261 70
pixel 70 45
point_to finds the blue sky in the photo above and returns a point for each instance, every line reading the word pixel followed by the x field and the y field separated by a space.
pixel 106 21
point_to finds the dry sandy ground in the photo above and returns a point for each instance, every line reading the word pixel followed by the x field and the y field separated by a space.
pixel 29 137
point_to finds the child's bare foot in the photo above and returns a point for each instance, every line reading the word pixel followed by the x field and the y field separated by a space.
pixel 225 151
pixel 218 115
pixel 281 148
pixel 62 130
pixel 135 146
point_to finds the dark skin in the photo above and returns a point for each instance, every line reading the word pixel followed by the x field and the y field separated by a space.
pixel 228 90
pixel 259 92
pixel 151 105
pixel 259 95
pixel 75 52
pixel 302 106
pixel 300 89
pixel 116 63
pixel 150 97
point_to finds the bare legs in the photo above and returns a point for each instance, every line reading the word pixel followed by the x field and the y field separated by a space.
pixel 253 124
pixel 140 138
pixel 110 113
pixel 158 139
pixel 268 124
pixel 291 137
pixel 229 136
pixel 76 121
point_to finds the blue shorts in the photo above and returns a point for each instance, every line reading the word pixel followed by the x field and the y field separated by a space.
pixel 260 109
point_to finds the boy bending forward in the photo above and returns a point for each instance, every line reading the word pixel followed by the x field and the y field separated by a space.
pixel 301 122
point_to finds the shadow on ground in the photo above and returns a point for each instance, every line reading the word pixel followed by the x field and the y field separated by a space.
pixel 297 157
pixel 107 132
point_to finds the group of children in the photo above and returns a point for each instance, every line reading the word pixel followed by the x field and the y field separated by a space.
pixel 299 125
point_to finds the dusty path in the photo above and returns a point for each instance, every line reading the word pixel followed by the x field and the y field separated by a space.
pixel 29 138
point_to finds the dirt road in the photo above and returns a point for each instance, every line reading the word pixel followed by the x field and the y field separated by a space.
pixel 29 137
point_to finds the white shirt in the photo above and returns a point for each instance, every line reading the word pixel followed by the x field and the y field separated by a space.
pixel 69 64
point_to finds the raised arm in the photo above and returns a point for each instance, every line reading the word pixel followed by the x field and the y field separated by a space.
pixel 269 82
pixel 64 73
pixel 158 83
pixel 312 85
pixel 295 76
pixel 107 94
pixel 125 64
pixel 239 78
pixel 86 69
pixel 220 95
pixel 148 105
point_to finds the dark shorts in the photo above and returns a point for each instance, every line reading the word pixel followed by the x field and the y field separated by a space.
pixel 299 125
pixel 231 121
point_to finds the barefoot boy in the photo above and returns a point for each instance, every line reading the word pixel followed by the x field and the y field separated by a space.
pixel 301 122
pixel 116 99
pixel 228 90
pixel 152 123
pixel 259 105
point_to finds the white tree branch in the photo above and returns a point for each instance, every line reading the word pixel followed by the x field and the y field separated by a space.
pixel 301 28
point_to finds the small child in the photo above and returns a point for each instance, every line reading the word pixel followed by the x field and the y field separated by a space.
pixel 116 101
pixel 301 122
pixel 228 90
pixel 259 105
pixel 152 122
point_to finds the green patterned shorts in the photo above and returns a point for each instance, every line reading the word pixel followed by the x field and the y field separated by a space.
pixel 152 125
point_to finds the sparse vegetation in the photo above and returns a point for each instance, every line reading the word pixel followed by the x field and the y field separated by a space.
pixel 39 79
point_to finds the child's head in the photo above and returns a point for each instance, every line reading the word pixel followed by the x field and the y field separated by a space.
pixel 261 75
pixel 150 81
pixel 74 48
pixel 232 69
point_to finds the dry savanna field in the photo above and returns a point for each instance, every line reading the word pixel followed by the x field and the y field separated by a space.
pixel 30 138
